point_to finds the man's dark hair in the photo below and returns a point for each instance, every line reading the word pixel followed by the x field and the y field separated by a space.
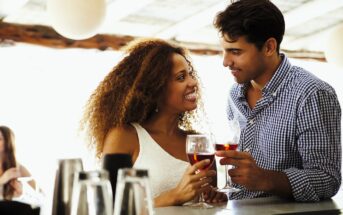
pixel 257 20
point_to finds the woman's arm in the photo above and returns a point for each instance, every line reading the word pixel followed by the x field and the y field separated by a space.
pixel 25 173
pixel 122 140
pixel 9 174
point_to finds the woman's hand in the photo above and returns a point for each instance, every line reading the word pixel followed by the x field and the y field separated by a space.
pixel 17 187
pixel 213 196
pixel 9 174
pixel 189 187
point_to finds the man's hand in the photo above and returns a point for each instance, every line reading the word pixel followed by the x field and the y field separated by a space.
pixel 253 177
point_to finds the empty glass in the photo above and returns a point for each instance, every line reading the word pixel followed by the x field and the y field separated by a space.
pixel 64 185
pixel 92 194
pixel 133 195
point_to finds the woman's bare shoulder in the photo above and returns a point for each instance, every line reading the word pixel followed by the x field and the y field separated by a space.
pixel 24 171
pixel 121 140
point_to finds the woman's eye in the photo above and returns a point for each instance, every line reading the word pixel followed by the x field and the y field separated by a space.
pixel 181 77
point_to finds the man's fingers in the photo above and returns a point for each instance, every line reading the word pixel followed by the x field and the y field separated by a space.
pixel 233 154
pixel 242 160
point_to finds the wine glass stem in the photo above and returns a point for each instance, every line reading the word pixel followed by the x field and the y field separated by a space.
pixel 227 180
pixel 201 198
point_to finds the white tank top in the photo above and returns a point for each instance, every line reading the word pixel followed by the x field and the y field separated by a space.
pixel 165 171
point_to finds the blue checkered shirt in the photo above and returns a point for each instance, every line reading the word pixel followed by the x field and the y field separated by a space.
pixel 294 128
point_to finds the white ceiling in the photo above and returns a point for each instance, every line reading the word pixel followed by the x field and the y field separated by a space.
pixel 307 21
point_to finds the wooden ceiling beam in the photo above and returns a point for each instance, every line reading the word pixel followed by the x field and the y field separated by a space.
pixel 47 36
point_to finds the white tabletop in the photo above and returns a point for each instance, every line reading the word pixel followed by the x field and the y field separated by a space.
pixel 265 206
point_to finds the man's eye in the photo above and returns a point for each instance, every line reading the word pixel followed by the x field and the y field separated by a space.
pixel 235 52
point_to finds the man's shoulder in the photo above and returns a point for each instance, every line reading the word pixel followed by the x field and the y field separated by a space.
pixel 306 82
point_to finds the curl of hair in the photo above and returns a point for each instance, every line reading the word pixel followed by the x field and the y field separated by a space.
pixel 132 90
pixel 9 159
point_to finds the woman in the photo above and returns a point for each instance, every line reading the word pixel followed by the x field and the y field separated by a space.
pixel 145 107
pixel 10 170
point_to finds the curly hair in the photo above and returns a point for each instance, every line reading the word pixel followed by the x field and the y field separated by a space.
pixel 9 159
pixel 133 89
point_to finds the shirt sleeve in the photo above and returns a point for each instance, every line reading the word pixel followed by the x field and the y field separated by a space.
pixel 319 145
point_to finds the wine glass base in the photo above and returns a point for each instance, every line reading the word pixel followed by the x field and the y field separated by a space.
pixel 229 190
pixel 202 205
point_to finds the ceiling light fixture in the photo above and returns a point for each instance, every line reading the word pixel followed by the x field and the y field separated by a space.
pixel 76 19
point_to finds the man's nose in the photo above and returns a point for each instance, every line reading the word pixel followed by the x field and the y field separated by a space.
pixel 227 61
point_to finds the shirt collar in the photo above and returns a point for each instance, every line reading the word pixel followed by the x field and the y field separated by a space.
pixel 278 77
pixel 274 83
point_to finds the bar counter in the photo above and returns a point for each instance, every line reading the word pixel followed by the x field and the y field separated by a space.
pixel 262 206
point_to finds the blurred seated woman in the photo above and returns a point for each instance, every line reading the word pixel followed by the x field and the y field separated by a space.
pixel 10 169
pixel 145 107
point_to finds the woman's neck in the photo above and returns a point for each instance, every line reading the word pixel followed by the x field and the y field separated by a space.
pixel 163 123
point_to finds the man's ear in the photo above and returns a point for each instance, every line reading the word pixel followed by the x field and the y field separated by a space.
pixel 270 46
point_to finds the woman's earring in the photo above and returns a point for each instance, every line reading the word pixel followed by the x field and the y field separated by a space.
pixel 156 109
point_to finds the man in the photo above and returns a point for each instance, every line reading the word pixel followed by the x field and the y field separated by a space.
pixel 290 142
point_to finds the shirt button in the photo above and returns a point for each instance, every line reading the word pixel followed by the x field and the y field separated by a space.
pixel 251 121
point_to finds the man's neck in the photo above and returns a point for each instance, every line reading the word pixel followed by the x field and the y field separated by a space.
pixel 268 74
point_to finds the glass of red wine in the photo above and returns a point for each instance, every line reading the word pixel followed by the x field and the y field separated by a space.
pixel 200 147
pixel 229 142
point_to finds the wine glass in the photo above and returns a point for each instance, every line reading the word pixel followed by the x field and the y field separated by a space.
pixel 200 147
pixel 227 143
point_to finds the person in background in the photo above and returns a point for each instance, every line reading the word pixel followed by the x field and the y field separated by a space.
pixel 290 144
pixel 145 107
pixel 10 169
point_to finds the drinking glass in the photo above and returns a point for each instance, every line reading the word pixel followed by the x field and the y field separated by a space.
pixel 112 163
pixel 200 147
pixel 92 194
pixel 133 195
pixel 229 142
pixel 64 182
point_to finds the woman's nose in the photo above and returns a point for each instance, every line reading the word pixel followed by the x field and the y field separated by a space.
pixel 192 82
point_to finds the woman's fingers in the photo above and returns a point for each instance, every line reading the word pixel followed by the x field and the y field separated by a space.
pixel 210 195
pixel 198 166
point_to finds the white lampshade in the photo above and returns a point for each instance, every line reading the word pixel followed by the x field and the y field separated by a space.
pixel 76 19
pixel 8 7
pixel 334 47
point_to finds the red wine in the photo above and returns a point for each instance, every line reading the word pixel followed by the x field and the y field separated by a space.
pixel 226 147
pixel 194 158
